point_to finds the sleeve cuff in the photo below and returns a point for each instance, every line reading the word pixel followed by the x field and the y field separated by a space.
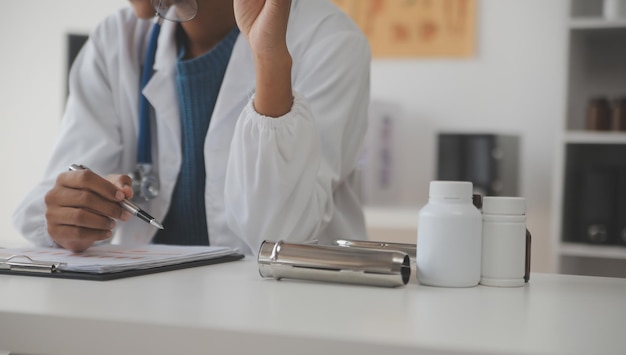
pixel 298 107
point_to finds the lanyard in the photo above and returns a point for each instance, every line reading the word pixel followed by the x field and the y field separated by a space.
pixel 144 144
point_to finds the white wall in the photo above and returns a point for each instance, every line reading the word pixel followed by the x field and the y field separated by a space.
pixel 32 88
pixel 514 84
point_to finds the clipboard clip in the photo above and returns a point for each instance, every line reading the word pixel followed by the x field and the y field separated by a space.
pixel 30 265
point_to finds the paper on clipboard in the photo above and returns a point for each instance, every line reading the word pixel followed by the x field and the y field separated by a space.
pixel 109 258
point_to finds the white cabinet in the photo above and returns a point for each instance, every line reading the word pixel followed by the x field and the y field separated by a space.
pixel 590 174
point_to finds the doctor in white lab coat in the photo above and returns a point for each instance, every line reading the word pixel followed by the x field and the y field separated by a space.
pixel 281 149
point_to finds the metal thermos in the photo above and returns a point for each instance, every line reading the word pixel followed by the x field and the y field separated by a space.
pixel 333 264
pixel 408 248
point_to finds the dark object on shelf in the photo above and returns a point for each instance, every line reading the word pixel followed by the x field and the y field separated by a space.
pixel 477 201
pixel 594 200
pixel 619 115
pixel 75 43
pixel 621 209
pixel 529 239
pixel 599 114
pixel 489 161
pixel 599 204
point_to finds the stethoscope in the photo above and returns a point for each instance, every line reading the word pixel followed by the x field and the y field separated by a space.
pixel 145 182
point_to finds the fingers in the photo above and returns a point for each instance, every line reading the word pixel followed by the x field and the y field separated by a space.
pixel 81 207
pixel 262 20
pixel 85 200
pixel 88 180
pixel 76 239
pixel 124 183
pixel 282 8
pixel 81 218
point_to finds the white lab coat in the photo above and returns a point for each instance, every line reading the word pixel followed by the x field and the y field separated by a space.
pixel 291 178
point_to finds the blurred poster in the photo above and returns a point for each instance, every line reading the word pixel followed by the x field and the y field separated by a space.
pixel 416 28
pixel 378 165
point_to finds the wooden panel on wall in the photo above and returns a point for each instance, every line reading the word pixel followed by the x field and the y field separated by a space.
pixel 416 28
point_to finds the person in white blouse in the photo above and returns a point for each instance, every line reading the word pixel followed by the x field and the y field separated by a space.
pixel 278 154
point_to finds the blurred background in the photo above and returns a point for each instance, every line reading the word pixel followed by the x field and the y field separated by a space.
pixel 504 99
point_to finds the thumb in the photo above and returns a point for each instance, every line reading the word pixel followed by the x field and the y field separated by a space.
pixel 123 183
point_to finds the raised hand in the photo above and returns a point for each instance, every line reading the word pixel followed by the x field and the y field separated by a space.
pixel 264 24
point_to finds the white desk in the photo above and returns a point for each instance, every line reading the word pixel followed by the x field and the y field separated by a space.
pixel 228 308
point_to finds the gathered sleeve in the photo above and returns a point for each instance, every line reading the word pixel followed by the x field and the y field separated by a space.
pixel 283 173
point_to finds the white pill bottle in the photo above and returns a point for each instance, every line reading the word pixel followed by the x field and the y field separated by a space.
pixel 449 242
pixel 504 241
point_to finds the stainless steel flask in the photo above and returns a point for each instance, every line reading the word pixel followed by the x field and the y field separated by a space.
pixel 333 264
pixel 408 248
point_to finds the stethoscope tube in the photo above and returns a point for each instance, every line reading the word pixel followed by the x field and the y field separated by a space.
pixel 145 182
pixel 144 143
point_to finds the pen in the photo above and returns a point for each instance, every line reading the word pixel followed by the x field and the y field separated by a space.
pixel 127 204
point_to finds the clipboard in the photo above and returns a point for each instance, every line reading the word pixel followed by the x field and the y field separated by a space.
pixel 17 266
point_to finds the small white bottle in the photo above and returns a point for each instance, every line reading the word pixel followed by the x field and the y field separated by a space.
pixel 504 241
pixel 449 237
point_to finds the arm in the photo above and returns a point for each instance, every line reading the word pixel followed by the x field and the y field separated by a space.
pixel 284 173
pixel 74 209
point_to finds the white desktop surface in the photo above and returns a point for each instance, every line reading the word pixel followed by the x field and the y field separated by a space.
pixel 229 309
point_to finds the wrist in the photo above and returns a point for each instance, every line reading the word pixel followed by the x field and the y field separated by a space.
pixel 274 96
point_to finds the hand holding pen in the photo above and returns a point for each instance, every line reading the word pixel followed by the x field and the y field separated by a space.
pixel 82 207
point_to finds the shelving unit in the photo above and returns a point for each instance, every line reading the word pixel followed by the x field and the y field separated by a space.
pixel 590 176
pixel 595 22
pixel 587 137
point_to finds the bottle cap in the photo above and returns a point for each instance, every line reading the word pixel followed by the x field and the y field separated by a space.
pixel 450 189
pixel 504 205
